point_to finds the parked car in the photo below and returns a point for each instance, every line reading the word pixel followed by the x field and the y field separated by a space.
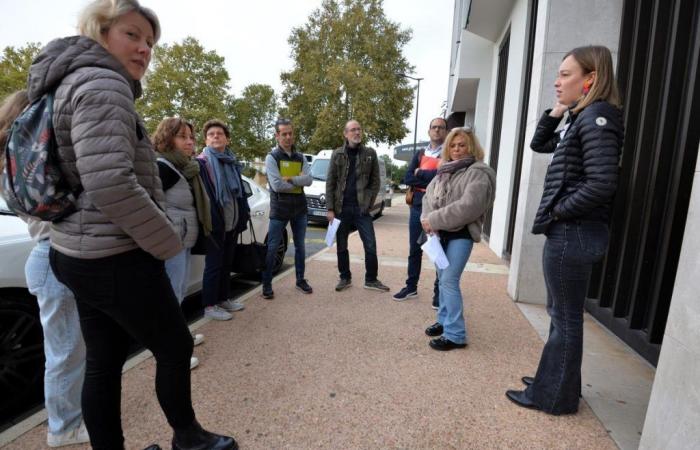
pixel 21 337
pixel 316 193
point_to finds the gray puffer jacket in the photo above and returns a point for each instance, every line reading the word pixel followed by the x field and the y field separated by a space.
pixel 105 151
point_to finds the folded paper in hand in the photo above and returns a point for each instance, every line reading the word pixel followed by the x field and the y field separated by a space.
pixel 332 229
pixel 433 248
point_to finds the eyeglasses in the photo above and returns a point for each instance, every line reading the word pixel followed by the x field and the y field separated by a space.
pixel 438 127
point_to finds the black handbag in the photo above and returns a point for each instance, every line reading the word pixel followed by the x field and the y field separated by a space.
pixel 249 258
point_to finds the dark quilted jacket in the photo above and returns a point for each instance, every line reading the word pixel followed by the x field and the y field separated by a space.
pixel 582 177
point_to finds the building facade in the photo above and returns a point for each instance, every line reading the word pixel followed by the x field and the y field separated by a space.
pixel 504 60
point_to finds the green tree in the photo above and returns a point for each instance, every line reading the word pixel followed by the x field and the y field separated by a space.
pixel 14 67
pixel 346 60
pixel 252 117
pixel 394 172
pixel 186 81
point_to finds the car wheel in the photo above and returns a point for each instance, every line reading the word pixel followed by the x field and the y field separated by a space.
pixel 21 355
pixel 281 251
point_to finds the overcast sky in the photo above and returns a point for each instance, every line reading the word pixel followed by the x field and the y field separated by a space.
pixel 252 37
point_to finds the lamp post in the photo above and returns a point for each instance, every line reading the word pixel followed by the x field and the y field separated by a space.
pixel 415 127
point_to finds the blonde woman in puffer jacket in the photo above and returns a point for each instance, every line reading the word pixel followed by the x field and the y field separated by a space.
pixel 110 251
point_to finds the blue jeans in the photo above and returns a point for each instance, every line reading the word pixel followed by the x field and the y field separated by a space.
pixel 274 237
pixel 178 269
pixel 363 223
pixel 450 313
pixel 571 249
pixel 63 342
pixel 415 254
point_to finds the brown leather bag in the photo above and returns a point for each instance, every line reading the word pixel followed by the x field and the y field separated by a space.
pixel 409 195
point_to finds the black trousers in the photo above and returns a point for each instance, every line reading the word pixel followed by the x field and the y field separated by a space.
pixel 121 297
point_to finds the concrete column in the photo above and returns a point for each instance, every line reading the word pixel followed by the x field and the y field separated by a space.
pixel 673 416
pixel 561 26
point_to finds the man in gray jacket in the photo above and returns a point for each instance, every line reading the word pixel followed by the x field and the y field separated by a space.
pixel 287 174
pixel 352 186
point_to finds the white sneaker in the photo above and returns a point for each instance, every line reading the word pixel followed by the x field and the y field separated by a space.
pixel 194 362
pixel 197 338
pixel 217 313
pixel 232 305
pixel 78 435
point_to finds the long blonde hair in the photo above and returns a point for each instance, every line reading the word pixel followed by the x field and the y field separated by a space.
pixel 11 107
pixel 596 58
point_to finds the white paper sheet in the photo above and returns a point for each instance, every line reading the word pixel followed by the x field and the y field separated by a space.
pixel 332 229
pixel 436 254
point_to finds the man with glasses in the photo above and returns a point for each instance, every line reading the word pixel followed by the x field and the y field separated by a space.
pixel 352 186
pixel 419 173
pixel 287 174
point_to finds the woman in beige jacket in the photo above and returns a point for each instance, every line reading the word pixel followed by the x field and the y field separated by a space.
pixel 453 208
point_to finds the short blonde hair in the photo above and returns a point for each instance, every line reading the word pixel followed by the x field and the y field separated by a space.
pixel 97 17
pixel 473 146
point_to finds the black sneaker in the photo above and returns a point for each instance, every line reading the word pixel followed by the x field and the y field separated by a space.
pixel 405 294
pixel 343 284
pixel 434 330
pixel 436 303
pixel 376 285
pixel 304 287
pixel 268 293
pixel 443 344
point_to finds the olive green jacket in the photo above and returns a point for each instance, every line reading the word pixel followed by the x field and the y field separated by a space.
pixel 367 173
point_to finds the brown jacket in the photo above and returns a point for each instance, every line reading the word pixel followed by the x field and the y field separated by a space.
pixel 470 194
pixel 104 150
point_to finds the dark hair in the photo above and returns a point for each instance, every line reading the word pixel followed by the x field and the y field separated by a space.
pixel 164 137
pixel 11 107
pixel 216 123
pixel 439 118
pixel 281 121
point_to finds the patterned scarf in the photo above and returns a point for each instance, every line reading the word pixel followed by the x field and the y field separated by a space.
pixel 226 175
pixel 190 170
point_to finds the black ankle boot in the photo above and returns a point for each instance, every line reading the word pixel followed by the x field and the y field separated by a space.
pixel 195 437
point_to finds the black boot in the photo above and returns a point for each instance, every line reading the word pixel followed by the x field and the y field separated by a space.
pixel 195 437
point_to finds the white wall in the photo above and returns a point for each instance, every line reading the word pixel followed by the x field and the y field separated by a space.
pixel 509 131
pixel 673 416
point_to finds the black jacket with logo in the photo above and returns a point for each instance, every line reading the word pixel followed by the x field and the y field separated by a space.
pixel 582 177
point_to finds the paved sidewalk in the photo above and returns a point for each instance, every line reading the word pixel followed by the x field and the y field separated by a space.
pixel 353 370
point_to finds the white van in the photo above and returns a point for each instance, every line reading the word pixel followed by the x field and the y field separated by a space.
pixel 316 193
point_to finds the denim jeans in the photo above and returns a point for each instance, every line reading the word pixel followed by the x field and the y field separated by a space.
pixel 274 237
pixel 63 342
pixel 363 223
pixel 571 249
pixel 415 253
pixel 120 298
pixel 216 281
pixel 451 311
pixel 178 270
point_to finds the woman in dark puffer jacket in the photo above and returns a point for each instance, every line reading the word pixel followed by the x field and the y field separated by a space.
pixel 573 214
pixel 110 251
